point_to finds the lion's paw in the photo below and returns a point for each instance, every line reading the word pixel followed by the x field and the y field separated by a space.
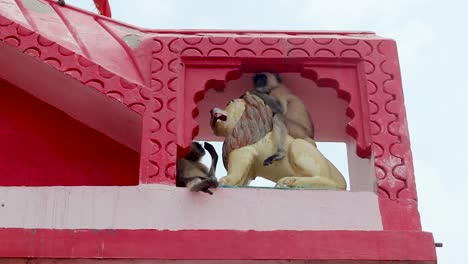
pixel 286 182
pixel 278 185
pixel 226 181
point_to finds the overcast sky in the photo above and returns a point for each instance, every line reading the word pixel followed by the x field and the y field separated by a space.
pixel 432 42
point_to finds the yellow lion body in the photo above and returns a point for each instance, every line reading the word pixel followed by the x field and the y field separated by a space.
pixel 302 167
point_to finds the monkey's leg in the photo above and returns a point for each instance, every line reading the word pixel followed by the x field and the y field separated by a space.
pixel 316 182
pixel 194 184
pixel 207 183
pixel 240 163
pixel 202 184
pixel 297 130
pixel 279 133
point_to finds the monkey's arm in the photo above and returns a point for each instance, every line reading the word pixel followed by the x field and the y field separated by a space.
pixel 279 131
pixel 284 105
pixel 203 184
pixel 274 104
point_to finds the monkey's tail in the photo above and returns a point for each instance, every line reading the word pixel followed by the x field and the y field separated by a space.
pixel 214 158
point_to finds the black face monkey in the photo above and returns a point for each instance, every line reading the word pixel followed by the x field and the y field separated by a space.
pixel 290 116
pixel 195 175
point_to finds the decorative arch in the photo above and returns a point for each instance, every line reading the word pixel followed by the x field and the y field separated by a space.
pixel 346 80
pixel 201 74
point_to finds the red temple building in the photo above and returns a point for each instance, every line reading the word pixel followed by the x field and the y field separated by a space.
pixel 95 112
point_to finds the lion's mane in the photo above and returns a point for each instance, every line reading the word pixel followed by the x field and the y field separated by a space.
pixel 256 121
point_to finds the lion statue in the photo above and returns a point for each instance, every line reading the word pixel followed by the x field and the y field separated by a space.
pixel 246 125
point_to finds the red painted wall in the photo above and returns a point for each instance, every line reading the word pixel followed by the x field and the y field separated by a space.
pixel 42 146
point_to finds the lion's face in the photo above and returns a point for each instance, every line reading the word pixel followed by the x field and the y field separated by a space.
pixel 223 121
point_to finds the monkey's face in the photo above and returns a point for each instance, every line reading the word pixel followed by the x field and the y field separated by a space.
pixel 265 81
pixel 223 121
pixel 260 80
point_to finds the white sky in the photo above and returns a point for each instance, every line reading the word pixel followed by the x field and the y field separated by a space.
pixel 432 41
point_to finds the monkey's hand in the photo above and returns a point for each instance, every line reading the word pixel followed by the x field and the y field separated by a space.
pixel 204 185
pixel 207 191
pixel 274 157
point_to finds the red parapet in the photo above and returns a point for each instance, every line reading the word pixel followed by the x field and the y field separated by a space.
pixel 158 86
pixel 222 245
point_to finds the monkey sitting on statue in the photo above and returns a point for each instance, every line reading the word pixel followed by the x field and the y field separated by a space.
pixel 290 115
pixel 195 175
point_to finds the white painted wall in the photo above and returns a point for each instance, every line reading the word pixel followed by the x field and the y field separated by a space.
pixel 166 207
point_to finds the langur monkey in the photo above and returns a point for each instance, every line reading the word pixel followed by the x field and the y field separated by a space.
pixel 290 116
pixel 195 175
